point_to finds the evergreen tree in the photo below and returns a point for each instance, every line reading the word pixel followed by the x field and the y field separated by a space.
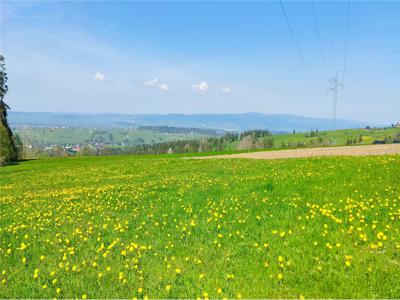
pixel 8 150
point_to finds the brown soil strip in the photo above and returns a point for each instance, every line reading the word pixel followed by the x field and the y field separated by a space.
pixel 315 152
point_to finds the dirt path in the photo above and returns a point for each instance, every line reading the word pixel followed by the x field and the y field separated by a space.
pixel 314 152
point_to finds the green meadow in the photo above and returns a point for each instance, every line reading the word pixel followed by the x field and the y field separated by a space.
pixel 166 227
pixel 109 136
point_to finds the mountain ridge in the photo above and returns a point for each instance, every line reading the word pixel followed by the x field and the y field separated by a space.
pixel 228 121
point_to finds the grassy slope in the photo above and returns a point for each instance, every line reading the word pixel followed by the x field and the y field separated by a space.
pixel 208 217
pixel 340 136
pixel 83 135
pixel 63 136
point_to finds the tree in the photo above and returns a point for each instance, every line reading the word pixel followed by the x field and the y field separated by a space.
pixel 19 146
pixel 8 150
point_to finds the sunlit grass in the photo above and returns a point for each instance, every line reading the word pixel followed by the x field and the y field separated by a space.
pixel 126 227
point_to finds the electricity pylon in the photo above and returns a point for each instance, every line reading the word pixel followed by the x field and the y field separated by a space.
pixel 334 89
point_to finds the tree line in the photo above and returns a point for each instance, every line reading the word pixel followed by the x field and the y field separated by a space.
pixel 251 139
pixel 9 145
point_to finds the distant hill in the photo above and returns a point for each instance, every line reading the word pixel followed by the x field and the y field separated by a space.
pixel 185 130
pixel 237 122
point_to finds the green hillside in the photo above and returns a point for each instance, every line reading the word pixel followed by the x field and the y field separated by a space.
pixel 338 137
pixel 109 136
pixel 163 227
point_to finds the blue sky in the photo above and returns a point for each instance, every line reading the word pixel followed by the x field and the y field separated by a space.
pixel 201 57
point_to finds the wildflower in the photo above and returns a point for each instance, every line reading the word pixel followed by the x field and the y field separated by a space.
pixel 280 276
pixel 178 271
pixel 168 287
pixel 84 296
pixel 36 273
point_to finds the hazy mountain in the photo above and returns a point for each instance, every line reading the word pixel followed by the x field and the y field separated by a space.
pixel 239 122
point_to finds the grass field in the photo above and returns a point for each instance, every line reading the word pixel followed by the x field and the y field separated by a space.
pixel 114 136
pixel 109 136
pixel 340 137
pixel 163 227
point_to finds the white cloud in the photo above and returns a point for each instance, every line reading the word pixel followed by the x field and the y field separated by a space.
pixel 201 87
pixel 99 76
pixel 226 90
pixel 156 83
pixel 151 82
pixel 164 87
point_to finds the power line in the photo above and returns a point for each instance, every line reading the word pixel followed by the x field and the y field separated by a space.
pixel 331 34
pixel 300 53
pixel 321 52
pixel 346 42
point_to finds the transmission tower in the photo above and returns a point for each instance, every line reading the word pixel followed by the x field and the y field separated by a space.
pixel 334 89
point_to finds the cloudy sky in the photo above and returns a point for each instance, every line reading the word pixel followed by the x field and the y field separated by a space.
pixel 202 57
